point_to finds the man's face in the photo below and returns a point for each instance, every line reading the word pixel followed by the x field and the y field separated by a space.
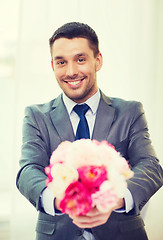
pixel 75 67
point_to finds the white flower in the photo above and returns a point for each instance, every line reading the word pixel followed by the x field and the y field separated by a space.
pixel 118 181
pixel 63 175
pixel 69 165
pixel 83 153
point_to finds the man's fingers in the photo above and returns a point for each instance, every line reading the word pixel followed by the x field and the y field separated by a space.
pixel 90 224
pixel 93 219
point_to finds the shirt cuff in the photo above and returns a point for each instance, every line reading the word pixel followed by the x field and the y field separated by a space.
pixel 129 203
pixel 47 201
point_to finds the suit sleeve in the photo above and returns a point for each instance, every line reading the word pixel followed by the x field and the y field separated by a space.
pixel 34 157
pixel 148 174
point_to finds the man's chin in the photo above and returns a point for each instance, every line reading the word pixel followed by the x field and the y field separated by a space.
pixel 79 98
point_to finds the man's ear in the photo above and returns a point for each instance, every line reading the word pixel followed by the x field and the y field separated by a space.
pixel 99 61
pixel 52 65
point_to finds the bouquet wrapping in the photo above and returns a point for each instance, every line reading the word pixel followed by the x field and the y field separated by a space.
pixel 86 173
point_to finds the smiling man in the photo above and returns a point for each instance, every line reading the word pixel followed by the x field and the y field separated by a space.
pixel 75 65
pixel 75 60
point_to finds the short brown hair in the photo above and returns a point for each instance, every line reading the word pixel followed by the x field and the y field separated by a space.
pixel 77 30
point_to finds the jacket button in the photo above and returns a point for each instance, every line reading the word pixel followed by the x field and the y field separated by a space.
pixel 78 232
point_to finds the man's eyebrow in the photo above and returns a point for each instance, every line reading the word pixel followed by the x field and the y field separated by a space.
pixel 81 54
pixel 58 58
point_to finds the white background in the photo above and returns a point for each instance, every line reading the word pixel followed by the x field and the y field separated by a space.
pixel 131 41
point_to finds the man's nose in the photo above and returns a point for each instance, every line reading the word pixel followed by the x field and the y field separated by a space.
pixel 71 70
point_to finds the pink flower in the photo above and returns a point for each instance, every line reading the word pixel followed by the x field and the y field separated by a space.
pixel 105 198
pixel 92 177
pixel 87 173
pixel 77 200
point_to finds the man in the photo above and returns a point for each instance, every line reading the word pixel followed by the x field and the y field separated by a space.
pixel 75 60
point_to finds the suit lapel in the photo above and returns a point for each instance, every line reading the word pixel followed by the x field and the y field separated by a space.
pixel 61 120
pixel 104 119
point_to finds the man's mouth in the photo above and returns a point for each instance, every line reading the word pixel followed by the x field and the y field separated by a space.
pixel 74 82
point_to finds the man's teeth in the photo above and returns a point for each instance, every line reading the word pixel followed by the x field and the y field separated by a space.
pixel 74 82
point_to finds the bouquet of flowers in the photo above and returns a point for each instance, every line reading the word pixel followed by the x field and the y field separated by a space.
pixel 87 173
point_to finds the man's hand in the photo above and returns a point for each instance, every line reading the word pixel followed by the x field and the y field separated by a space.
pixel 94 217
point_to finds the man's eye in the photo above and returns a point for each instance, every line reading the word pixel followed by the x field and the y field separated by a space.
pixel 80 60
pixel 61 63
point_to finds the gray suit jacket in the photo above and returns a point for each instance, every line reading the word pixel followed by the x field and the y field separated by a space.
pixel 121 123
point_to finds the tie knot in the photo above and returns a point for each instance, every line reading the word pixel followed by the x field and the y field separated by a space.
pixel 81 109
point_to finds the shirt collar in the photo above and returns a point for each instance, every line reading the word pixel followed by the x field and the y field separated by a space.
pixel 92 102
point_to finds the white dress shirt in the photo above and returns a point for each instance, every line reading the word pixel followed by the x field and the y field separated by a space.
pixel 47 198
pixel 90 115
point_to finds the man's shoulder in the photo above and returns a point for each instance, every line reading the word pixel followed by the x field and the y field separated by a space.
pixel 119 102
pixel 128 107
pixel 44 107
pixel 122 105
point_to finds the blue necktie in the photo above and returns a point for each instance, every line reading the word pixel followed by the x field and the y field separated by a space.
pixel 82 129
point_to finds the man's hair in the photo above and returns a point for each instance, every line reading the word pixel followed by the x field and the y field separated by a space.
pixel 76 30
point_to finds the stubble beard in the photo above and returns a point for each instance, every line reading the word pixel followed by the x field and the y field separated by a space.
pixel 83 96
